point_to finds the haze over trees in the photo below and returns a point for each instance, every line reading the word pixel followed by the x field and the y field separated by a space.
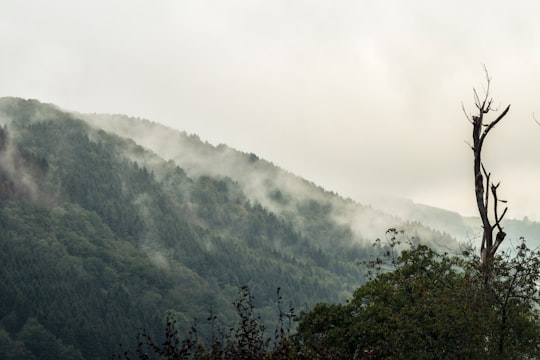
pixel 422 304
pixel 101 237
pixel 419 303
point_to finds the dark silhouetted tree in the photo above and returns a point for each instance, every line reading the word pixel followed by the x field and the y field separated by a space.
pixel 483 186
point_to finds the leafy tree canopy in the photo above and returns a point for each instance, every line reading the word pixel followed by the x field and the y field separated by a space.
pixel 420 304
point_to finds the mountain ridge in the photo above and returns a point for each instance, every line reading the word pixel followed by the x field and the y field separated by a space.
pixel 125 126
pixel 136 241
pixel 198 158
pixel 101 234
pixel 440 219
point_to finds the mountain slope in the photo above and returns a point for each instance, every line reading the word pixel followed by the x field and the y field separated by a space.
pixel 274 188
pixel 101 236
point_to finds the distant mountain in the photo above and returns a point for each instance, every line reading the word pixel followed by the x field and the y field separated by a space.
pixel 463 229
pixel 108 222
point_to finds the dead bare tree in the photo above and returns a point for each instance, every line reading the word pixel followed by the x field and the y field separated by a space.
pixel 483 185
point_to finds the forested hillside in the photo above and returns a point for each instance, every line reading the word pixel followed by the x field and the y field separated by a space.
pixel 100 236
pixel 312 210
pixel 284 193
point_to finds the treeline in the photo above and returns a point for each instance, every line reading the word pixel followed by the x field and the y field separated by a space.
pixel 418 304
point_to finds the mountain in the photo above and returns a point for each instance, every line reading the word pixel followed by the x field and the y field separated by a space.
pixel 258 177
pixel 463 229
pixel 109 222
pixel 279 191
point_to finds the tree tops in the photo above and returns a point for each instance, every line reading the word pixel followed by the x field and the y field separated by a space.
pixel 432 306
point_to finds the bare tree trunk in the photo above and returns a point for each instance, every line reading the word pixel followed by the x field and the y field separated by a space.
pixel 482 183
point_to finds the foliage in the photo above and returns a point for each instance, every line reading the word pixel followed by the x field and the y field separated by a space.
pixel 431 305
pixel 419 304
pixel 246 340
pixel 99 237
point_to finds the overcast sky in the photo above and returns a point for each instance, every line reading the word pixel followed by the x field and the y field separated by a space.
pixel 357 96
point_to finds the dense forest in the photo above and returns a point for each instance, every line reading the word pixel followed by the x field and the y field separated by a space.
pixel 102 235
pixel 417 304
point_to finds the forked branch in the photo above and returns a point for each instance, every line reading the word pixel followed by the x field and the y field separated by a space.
pixel 481 129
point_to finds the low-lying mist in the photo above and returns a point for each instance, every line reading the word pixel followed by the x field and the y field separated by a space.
pixel 262 182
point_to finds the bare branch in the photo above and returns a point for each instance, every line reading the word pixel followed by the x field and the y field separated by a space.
pixel 483 185
pixel 498 218
pixel 477 100
pixel 488 79
pixel 485 109
pixel 492 124
pixel 498 241
pixel 500 232
pixel 487 175
pixel 488 107
pixel 502 216
pixel 465 112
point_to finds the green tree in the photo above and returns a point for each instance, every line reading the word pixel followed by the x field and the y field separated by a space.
pixel 11 349
pixel 44 345
pixel 245 340
pixel 420 304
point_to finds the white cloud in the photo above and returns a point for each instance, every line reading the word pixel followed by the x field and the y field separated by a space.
pixel 358 96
